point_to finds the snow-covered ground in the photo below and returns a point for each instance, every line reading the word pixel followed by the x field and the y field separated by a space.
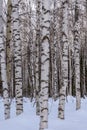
pixel 74 120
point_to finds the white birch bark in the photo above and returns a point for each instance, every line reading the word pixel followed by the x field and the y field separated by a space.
pixel 31 58
pixel 38 42
pixel 62 94
pixel 45 64
pixel 3 66
pixel 77 55
pixel 8 46
pixel 70 72
pixel 55 42
pixel 17 57
pixel 51 88
pixel 84 73
pixel 24 35
pixel 71 40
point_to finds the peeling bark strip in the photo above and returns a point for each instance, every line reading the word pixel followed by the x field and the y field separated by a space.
pixel 3 68
pixel 45 64
pixel 77 55
pixel 17 57
pixel 64 60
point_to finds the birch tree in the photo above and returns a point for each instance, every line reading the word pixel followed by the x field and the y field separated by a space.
pixel 24 35
pixel 55 43
pixel 62 94
pixel 44 64
pixel 31 58
pixel 17 57
pixel 3 63
pixel 8 46
pixel 38 44
pixel 71 47
pixel 77 54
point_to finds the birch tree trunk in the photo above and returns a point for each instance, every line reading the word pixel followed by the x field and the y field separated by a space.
pixel 51 90
pixel 38 42
pixel 44 64
pixel 3 65
pixel 55 42
pixel 77 55
pixel 86 49
pixel 17 57
pixel 8 46
pixel 62 94
pixel 70 71
pixel 71 39
pixel 24 35
pixel 31 64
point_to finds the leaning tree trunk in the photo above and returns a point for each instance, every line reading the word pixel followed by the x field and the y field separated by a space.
pixel 3 66
pixel 44 64
pixel 17 57
pixel 62 94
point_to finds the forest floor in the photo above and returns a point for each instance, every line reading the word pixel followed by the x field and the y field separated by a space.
pixel 74 120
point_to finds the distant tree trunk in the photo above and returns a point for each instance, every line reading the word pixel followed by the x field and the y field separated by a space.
pixel 62 93
pixel 24 34
pixel 8 47
pixel 59 12
pixel 44 64
pixel 38 42
pixel 84 74
pixel 3 65
pixel 31 62
pixel 70 71
pixel 55 42
pixel 51 56
pixel 86 49
pixel 71 47
pixel 77 55
pixel 17 57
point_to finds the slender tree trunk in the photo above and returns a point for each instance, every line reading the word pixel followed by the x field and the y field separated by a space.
pixel 55 71
pixel 85 53
pixel 24 34
pixel 51 57
pixel 8 46
pixel 70 71
pixel 17 57
pixel 38 42
pixel 77 55
pixel 45 64
pixel 3 66
pixel 62 94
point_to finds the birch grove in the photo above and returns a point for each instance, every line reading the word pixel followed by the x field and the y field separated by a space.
pixel 43 54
